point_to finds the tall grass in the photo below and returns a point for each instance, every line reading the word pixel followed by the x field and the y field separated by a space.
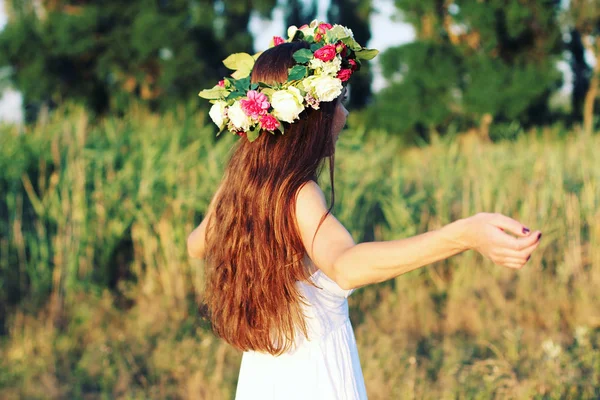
pixel 98 298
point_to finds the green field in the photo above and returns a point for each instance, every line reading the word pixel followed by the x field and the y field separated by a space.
pixel 98 298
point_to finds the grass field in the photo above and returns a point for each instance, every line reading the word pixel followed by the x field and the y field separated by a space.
pixel 98 297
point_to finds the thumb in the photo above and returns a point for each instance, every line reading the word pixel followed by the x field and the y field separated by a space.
pixel 508 224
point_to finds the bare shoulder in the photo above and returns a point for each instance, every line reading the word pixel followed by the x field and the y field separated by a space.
pixel 310 201
pixel 323 236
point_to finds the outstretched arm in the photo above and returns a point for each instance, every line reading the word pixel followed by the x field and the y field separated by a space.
pixel 353 265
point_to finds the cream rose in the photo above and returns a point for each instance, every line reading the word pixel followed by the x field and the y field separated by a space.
pixel 323 87
pixel 307 30
pixel 238 117
pixel 287 104
pixel 327 67
pixel 292 31
pixel 218 113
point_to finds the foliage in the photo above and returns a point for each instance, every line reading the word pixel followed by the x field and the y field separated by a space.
pixel 108 53
pixel 101 295
pixel 583 20
pixel 472 60
pixel 355 14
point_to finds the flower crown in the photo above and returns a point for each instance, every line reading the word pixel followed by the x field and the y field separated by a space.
pixel 318 75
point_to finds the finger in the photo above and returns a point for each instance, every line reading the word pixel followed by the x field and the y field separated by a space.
pixel 518 248
pixel 515 260
pixel 528 241
pixel 514 265
pixel 526 252
pixel 508 224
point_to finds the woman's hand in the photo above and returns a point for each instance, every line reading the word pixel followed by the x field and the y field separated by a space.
pixel 485 233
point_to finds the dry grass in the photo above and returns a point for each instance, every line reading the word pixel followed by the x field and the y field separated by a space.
pixel 101 295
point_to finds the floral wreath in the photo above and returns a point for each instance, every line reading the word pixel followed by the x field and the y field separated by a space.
pixel 318 76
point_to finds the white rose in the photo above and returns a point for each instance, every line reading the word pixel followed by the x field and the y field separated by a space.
pixel 347 32
pixel 287 104
pixel 327 67
pixel 218 113
pixel 307 31
pixel 324 87
pixel 292 31
pixel 238 117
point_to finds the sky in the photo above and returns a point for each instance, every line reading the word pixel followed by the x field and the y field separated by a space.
pixel 385 33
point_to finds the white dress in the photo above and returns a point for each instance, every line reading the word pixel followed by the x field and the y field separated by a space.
pixel 326 366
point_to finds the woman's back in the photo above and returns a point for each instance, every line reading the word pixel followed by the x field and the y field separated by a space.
pixel 323 366
pixel 270 212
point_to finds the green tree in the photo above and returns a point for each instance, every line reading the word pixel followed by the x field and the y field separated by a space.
pixel 355 14
pixel 107 52
pixel 583 20
pixel 472 62
pixel 298 13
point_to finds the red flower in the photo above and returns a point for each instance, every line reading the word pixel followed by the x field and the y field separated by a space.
pixel 321 30
pixel 326 53
pixel 277 40
pixel 341 48
pixel 353 64
pixel 221 83
pixel 344 74
pixel 268 122
pixel 256 104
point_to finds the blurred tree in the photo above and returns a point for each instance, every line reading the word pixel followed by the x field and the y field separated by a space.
pixel 108 52
pixel 298 13
pixel 355 14
pixel 583 18
pixel 473 61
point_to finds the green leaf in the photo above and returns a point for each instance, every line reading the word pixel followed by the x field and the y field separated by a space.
pixel 242 63
pixel 243 84
pixel 352 44
pixel 268 91
pixel 281 128
pixel 239 61
pixel 214 94
pixel 336 33
pixel 235 95
pixel 366 54
pixel 303 55
pixel 254 86
pixel 252 135
pixel 297 72
pixel 316 46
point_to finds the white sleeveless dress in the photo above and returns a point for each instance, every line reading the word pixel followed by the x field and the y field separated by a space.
pixel 326 366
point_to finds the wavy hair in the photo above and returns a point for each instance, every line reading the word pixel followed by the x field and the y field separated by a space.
pixel 254 252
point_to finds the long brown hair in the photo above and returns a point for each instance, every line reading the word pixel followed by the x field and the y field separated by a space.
pixel 254 251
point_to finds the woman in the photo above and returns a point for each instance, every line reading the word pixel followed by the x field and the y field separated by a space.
pixel 279 265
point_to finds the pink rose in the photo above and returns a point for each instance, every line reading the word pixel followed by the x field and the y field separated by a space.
pixel 344 74
pixel 255 104
pixel 326 53
pixel 321 30
pixel 221 83
pixel 277 40
pixel 268 122
pixel 341 48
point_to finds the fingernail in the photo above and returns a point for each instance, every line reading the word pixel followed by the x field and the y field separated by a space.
pixel 525 231
pixel 539 235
